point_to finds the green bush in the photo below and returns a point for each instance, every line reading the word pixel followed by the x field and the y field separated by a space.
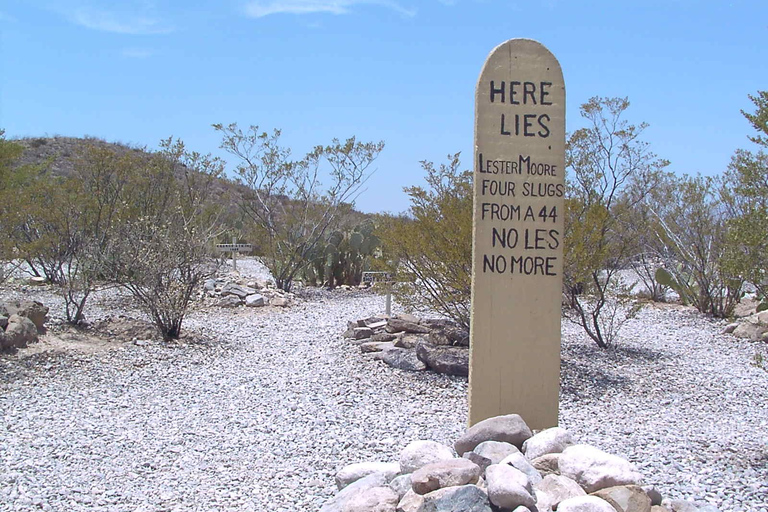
pixel 430 249
pixel 609 170
pixel 137 220
pixel 695 236
pixel 745 194
pixel 291 211
pixel 161 249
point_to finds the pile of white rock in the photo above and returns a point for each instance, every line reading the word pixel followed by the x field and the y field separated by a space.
pixel 253 293
pixel 504 467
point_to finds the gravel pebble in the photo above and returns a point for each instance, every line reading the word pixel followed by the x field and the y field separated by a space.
pixel 263 412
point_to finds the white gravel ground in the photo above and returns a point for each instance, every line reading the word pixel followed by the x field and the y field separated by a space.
pixel 262 414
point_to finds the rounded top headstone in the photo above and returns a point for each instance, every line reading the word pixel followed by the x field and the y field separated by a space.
pixel 518 230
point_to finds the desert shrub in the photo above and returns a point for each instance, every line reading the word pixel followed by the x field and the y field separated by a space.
pixel 140 220
pixel 643 232
pixel 610 171
pixel 430 249
pixel 50 226
pixel 290 209
pixel 9 154
pixel 716 232
pixel 695 234
pixel 745 194
pixel 61 225
pixel 160 251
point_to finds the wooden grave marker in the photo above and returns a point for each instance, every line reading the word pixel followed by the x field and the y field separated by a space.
pixel 234 249
pixel 517 235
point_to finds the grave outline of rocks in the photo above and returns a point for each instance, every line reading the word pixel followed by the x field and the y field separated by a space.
pixel 232 291
pixel 409 343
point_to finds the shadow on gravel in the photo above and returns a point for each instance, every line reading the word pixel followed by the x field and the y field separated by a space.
pixel 639 354
pixel 580 381
pixel 19 368
pixel 636 356
pixel 588 372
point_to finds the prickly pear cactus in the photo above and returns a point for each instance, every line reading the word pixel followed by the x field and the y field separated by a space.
pixel 343 257
pixel 688 292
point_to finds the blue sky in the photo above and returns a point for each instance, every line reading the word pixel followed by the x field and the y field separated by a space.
pixel 402 71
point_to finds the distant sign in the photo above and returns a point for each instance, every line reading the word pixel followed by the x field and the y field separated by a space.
pixel 377 277
pixel 234 247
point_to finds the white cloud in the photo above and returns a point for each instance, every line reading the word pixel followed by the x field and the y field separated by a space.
pixel 119 23
pixel 138 53
pixel 261 8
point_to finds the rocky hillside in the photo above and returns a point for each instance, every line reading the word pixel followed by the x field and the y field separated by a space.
pixel 57 155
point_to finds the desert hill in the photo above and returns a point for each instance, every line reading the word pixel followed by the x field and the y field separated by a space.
pixel 58 156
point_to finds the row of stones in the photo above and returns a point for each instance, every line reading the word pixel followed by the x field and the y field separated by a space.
pixel 410 343
pixel 251 294
pixel 504 467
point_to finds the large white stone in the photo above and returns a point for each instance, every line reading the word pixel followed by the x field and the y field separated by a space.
pixel 354 472
pixel 375 499
pixel 401 484
pixel 518 460
pixel 31 309
pixel 547 464
pixel 496 451
pixel 19 332
pixel 254 301
pixel 585 504
pixel 543 501
pixel 464 498
pixel 510 473
pixel 230 301
pixel 595 469
pixel 445 473
pixel 410 502
pixel 236 290
pixel 509 428
pixel 556 488
pixel 278 301
pixel 336 503
pixel 420 453
pixel 626 498
pixel 551 440
pixel 508 487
